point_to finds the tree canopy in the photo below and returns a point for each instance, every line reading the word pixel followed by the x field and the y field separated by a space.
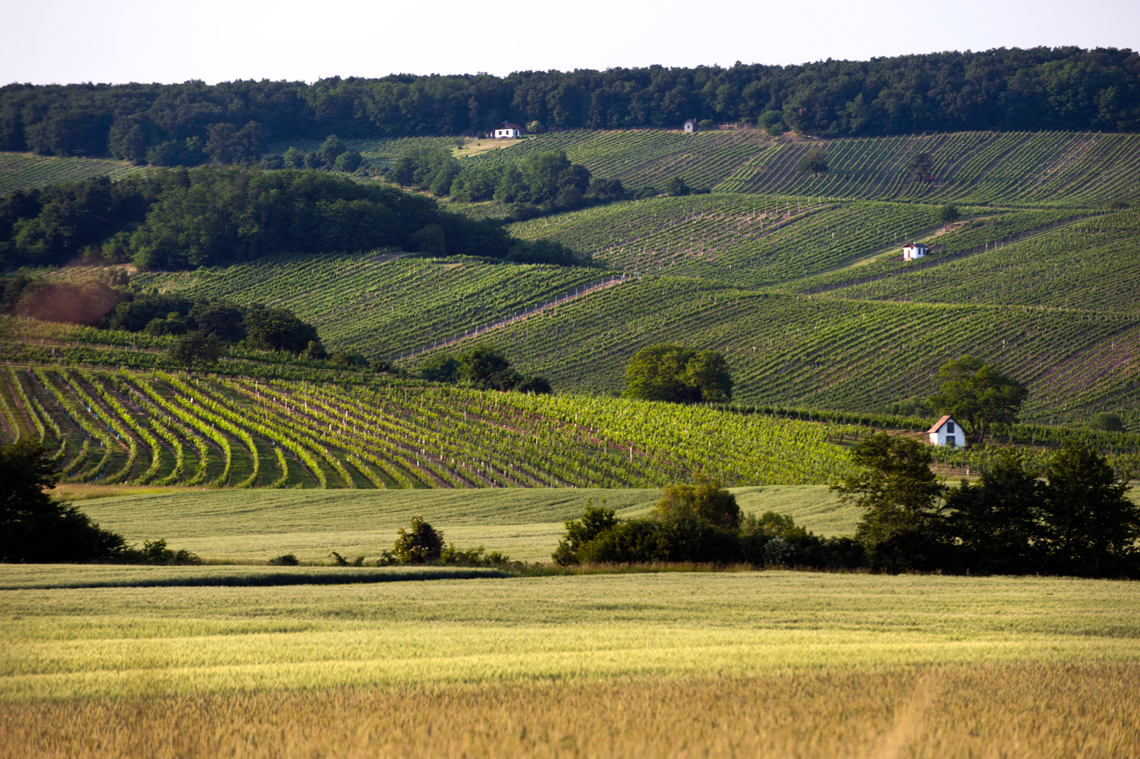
pixel 672 373
pixel 36 528
pixel 978 396
pixel 1061 88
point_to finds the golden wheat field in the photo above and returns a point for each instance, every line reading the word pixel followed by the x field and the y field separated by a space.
pixel 241 661
pixel 1027 710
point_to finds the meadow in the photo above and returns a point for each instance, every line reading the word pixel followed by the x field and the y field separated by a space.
pixel 525 524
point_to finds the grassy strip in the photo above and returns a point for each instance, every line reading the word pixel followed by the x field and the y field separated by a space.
pixel 229 576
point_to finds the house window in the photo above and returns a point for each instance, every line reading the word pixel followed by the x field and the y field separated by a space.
pixel 950 427
pixel 950 441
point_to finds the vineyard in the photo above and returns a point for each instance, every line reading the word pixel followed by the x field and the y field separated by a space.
pixel 979 168
pixel 826 352
pixel 1092 265
pixel 167 429
pixel 25 171
pixel 750 241
pixel 382 305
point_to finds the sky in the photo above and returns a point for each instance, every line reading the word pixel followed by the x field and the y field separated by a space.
pixel 117 41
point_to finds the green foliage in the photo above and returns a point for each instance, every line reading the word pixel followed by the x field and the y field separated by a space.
pixel 978 396
pixel 705 500
pixel 815 162
pixel 36 529
pixel 595 521
pixel 948 214
pixel 195 348
pixel 900 497
pixel 284 560
pixel 418 544
pixel 1089 525
pixel 1106 421
pixel 678 375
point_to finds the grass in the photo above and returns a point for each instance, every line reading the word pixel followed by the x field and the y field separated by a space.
pixel 980 711
pixel 181 641
pixel 525 524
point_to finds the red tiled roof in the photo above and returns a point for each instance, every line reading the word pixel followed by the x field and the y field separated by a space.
pixel 938 425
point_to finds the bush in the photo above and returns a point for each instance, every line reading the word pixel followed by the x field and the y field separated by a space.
pixel 420 544
pixel 284 560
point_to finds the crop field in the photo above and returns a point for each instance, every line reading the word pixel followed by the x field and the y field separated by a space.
pixel 1011 168
pixel 825 352
pixel 166 429
pixel 525 524
pixel 977 711
pixel 378 305
pixel 356 664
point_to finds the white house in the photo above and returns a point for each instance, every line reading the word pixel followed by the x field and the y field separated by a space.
pixel 690 125
pixel 507 131
pixel 914 250
pixel 948 433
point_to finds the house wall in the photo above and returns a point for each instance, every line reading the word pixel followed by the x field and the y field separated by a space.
pixel 943 435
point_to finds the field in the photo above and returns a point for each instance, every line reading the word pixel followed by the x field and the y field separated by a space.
pixel 754 242
pixel 980 168
pixel 169 429
pixel 25 171
pixel 821 664
pixel 982 711
pixel 525 524
pixel 382 306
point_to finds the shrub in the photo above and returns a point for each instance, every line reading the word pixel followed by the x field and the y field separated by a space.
pixel 419 544
pixel 284 560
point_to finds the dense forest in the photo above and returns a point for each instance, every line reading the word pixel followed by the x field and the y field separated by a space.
pixel 185 218
pixel 1037 89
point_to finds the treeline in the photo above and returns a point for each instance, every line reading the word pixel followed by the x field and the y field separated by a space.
pixel 1074 518
pixel 106 302
pixel 1036 89
pixel 179 219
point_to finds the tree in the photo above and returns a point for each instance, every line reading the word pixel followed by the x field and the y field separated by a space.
pixel 419 544
pixel 482 365
pixel 995 522
pixel 1090 526
pixel 899 495
pixel 195 347
pixel 948 214
pixel 678 375
pixel 594 521
pixel 1106 421
pixel 978 396
pixel 676 187
pixel 35 528
pixel 442 367
pixel 815 162
pixel 705 499
pixel 921 165
pixel 278 329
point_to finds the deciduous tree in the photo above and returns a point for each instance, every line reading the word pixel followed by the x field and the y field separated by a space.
pixel 978 396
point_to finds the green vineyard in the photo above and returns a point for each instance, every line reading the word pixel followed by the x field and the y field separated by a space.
pixel 1092 265
pixel 381 305
pixel 825 352
pixel 25 171
pixel 977 168
pixel 160 428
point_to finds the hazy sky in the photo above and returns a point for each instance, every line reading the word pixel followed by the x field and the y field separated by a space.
pixel 65 41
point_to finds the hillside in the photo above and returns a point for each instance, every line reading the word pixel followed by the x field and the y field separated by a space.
pixel 381 305
pixel 831 352
pixel 1086 170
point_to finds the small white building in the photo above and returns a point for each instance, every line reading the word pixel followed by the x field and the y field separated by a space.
pixel 690 125
pixel 947 432
pixel 507 131
pixel 914 250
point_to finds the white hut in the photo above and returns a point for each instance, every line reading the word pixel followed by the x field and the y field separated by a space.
pixel 690 125
pixel 914 250
pixel 947 432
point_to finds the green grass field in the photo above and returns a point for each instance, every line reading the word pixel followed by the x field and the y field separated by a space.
pixel 525 524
